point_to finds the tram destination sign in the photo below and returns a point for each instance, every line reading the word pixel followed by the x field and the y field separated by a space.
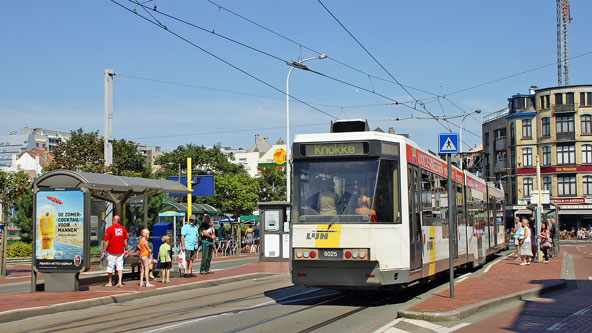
pixel 335 149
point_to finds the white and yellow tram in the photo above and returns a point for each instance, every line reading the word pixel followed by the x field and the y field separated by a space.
pixel 370 209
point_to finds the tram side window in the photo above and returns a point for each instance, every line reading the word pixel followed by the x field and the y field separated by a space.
pixel 427 198
pixel 386 198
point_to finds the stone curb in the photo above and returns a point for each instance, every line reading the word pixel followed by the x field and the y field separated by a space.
pixel 473 309
pixel 19 314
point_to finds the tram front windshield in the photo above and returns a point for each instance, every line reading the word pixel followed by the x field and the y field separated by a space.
pixel 345 191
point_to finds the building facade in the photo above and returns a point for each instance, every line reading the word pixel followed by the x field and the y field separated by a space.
pixel 551 128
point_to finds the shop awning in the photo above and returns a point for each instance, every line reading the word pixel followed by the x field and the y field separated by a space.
pixel 523 212
pixel 575 212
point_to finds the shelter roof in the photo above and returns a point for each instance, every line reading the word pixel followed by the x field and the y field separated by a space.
pixel 195 208
pixel 111 183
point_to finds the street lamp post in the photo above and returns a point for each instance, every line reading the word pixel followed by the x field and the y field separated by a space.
pixel 294 64
pixel 462 126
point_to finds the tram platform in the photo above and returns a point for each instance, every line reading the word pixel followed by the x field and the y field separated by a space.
pixel 501 281
pixel 20 305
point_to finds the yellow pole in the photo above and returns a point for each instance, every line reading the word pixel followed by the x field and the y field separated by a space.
pixel 189 199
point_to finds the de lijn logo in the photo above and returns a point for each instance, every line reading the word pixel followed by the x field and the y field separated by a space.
pixel 319 234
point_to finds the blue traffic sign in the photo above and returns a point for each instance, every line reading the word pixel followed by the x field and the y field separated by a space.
pixel 448 143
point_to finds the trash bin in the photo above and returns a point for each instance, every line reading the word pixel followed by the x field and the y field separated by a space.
pixel 160 229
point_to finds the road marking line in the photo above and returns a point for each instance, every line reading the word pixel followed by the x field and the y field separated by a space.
pixel 385 327
pixel 493 263
pixel 423 324
pixel 581 312
pixel 395 330
pixel 457 327
pixel 463 277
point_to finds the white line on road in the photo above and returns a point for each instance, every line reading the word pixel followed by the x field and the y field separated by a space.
pixel 495 262
pixel 386 327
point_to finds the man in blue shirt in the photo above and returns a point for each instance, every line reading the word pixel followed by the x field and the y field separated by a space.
pixel 189 237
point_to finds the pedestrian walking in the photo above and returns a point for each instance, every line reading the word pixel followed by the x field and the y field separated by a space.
pixel 208 236
pixel 525 243
pixel 555 251
pixel 545 237
pixel 189 237
pixel 145 258
pixel 516 232
pixel 249 237
pixel 164 257
pixel 115 246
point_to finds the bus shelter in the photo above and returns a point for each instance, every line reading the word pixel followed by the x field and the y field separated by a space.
pixel 62 214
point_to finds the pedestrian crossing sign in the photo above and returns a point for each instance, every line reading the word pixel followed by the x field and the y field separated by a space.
pixel 448 143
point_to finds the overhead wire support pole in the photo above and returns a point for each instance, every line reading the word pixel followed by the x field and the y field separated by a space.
pixel 108 135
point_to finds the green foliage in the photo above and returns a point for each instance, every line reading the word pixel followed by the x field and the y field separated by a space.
pixel 24 217
pixel 204 161
pixel 272 185
pixel 19 250
pixel 85 152
pixel 128 161
pixel 236 194
pixel 12 187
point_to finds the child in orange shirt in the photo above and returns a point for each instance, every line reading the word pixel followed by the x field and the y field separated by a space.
pixel 145 258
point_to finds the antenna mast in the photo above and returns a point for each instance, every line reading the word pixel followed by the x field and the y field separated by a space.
pixel 563 20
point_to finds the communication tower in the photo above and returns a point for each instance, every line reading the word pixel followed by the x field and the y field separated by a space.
pixel 563 20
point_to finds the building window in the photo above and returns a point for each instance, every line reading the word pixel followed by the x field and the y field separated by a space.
pixel 527 186
pixel 566 185
pixel 587 184
pixel 526 157
pixel 569 98
pixel 586 154
pixel 559 99
pixel 566 154
pixel 500 133
pixel 547 155
pixel 548 184
pixel 512 134
pixel 519 103
pixel 586 124
pixel 588 99
pixel 526 128
pixel 546 126
pixel 564 124
pixel 547 101
pixel 487 139
pixel 502 155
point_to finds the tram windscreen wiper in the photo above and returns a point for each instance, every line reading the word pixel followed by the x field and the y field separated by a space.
pixel 340 211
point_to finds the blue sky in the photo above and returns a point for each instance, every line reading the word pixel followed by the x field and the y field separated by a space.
pixel 55 53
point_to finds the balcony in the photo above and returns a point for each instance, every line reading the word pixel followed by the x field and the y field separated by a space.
pixel 563 108
pixel 500 166
pixel 567 136
pixel 501 143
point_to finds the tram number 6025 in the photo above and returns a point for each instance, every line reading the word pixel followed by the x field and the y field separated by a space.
pixel 330 254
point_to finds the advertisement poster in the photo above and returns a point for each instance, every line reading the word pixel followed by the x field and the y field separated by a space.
pixel 59 230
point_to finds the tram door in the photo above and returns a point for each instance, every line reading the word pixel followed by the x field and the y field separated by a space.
pixel 416 244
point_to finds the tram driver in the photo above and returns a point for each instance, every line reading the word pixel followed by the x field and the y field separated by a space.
pixel 364 208
pixel 328 199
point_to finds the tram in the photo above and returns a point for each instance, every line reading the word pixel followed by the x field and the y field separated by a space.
pixel 370 210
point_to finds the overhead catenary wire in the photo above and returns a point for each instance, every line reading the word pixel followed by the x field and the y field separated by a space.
pixel 224 61
pixel 378 62
pixel 188 85
pixel 395 102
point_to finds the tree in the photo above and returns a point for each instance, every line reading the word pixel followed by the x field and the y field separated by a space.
pixel 24 216
pixel 272 184
pixel 236 194
pixel 204 161
pixel 12 187
pixel 85 152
